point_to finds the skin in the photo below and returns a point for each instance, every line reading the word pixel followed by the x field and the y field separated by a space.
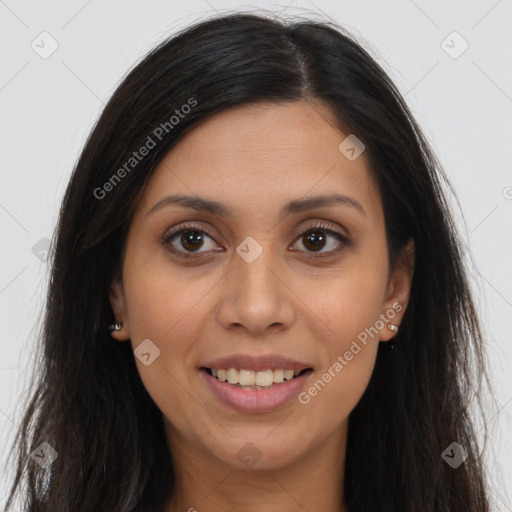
pixel 253 159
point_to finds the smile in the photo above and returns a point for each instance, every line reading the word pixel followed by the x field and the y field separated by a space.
pixel 250 391
pixel 253 380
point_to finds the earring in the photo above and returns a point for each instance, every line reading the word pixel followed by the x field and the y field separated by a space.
pixel 115 327
pixel 393 327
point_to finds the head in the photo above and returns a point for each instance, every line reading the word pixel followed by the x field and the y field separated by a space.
pixel 307 215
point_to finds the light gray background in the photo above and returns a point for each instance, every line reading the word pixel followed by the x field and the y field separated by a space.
pixel 48 107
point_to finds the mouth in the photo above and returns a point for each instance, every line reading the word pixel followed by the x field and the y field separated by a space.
pixel 252 380
pixel 254 391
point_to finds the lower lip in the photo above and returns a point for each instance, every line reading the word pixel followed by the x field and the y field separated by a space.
pixel 248 400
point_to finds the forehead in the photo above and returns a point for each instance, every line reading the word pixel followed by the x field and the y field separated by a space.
pixel 264 155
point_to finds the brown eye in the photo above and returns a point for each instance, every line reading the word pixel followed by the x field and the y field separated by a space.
pixel 315 240
pixel 191 240
pixel 188 240
pixel 320 237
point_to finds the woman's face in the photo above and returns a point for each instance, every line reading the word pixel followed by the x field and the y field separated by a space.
pixel 269 271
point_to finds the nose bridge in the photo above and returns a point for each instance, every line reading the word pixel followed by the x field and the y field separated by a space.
pixel 254 295
pixel 255 272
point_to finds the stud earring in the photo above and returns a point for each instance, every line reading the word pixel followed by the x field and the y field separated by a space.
pixel 393 327
pixel 115 327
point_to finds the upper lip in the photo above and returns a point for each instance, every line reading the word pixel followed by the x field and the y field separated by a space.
pixel 256 363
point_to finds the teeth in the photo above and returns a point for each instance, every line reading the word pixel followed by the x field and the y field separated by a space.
pixel 232 376
pixel 278 376
pixel 262 378
pixel 246 377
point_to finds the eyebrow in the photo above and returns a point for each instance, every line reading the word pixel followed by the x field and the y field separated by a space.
pixel 292 207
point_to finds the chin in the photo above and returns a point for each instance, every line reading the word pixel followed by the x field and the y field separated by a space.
pixel 259 453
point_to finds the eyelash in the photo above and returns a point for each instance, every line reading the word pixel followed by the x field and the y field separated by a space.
pixel 319 226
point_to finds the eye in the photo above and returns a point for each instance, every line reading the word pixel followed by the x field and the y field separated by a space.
pixel 190 237
pixel 317 237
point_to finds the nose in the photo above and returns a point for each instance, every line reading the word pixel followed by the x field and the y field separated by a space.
pixel 255 298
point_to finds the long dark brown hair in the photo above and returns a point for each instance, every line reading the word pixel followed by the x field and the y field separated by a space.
pixel 87 400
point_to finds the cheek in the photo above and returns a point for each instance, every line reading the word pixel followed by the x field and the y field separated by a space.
pixel 350 308
pixel 163 301
pixel 349 305
pixel 335 391
pixel 346 303
pixel 159 309
pixel 165 308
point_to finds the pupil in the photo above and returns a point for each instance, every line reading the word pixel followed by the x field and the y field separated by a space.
pixel 316 238
pixel 190 239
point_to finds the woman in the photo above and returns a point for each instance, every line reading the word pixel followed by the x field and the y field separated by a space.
pixel 257 299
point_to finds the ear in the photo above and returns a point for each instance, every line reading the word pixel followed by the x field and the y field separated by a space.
pixel 398 291
pixel 118 303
